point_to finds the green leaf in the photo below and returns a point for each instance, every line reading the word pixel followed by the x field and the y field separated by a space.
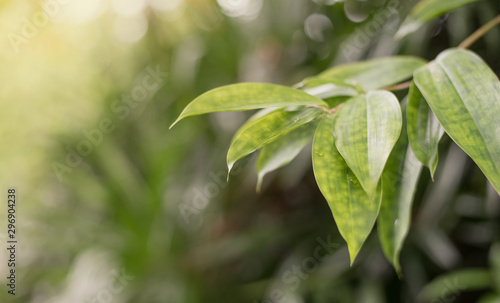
pixel 261 131
pixel 424 130
pixel 366 129
pixel 400 178
pixel 331 90
pixel 246 96
pixel 325 89
pixel 354 212
pixel 397 200
pixel 427 10
pixel 463 93
pixel 372 74
pixel 455 283
pixel 282 151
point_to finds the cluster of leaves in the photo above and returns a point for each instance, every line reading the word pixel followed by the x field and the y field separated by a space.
pixel 368 147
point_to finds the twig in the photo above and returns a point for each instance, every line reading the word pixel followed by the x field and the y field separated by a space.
pixel 320 107
pixel 400 86
pixel 465 44
pixel 327 110
pixel 335 109
pixel 479 33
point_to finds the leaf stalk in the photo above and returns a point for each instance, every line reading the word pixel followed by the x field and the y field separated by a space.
pixel 479 33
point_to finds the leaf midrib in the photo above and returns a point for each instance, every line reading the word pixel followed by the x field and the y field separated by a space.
pixel 488 148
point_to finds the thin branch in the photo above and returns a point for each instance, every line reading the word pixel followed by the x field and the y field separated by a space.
pixel 400 86
pixel 465 44
pixel 479 33
pixel 327 110
pixel 335 109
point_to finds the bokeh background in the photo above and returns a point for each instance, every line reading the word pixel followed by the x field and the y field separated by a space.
pixel 152 204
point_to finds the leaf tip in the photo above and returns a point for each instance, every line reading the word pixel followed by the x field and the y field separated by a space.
pixel 175 122
pixel 399 271
pixel 398 36
pixel 433 166
pixel 371 189
pixel 353 253
pixel 259 183
pixel 409 26
pixel 401 33
pixel 352 259
pixel 229 167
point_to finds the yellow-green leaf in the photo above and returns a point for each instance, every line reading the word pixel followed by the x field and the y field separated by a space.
pixel 261 131
pixel 366 129
pixel 427 10
pixel 353 211
pixel 246 96
pixel 324 89
pixel 372 74
pixel 464 93
pixel 400 178
pixel 282 151
pixel 424 130
pixel 395 212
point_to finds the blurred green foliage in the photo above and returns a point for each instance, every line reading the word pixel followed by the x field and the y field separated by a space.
pixel 155 202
